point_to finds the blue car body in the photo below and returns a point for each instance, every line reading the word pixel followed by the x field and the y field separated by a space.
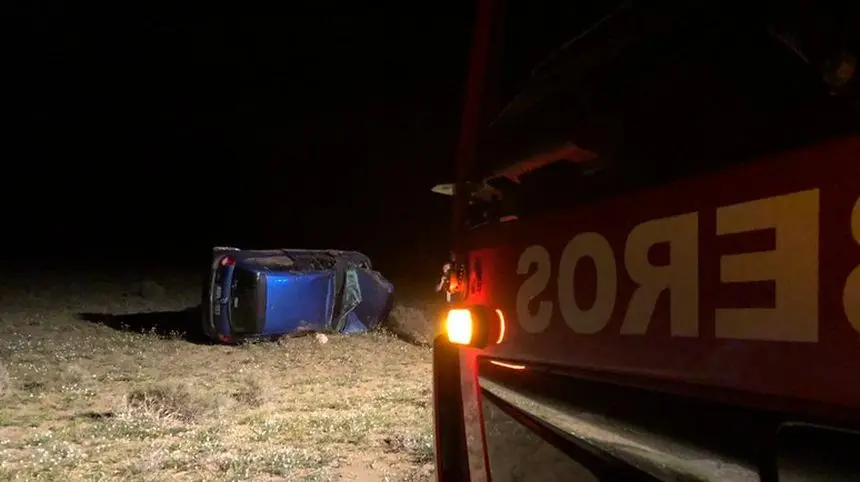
pixel 263 293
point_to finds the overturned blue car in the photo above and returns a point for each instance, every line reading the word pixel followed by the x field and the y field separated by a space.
pixel 269 293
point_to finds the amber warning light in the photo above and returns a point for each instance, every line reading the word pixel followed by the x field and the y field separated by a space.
pixel 475 326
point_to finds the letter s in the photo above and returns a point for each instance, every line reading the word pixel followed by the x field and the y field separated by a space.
pixel 532 287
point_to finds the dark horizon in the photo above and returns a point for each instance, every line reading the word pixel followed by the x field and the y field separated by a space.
pixel 148 131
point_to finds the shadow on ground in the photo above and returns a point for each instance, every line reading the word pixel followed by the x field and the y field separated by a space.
pixel 413 324
pixel 183 324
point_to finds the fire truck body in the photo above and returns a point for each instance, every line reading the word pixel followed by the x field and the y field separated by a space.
pixel 738 288
pixel 664 283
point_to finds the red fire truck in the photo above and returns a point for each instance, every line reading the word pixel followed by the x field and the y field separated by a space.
pixel 657 230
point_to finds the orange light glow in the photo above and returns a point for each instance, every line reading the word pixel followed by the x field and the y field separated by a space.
pixel 454 284
pixel 458 326
pixel 501 326
pixel 512 366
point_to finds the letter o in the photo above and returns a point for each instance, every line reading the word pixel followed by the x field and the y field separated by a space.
pixel 594 319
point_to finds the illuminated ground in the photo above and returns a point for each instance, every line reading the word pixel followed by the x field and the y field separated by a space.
pixel 80 400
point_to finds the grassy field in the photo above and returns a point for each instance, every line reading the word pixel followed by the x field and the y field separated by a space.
pixel 85 395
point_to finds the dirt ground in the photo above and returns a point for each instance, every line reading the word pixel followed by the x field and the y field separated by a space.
pixel 96 383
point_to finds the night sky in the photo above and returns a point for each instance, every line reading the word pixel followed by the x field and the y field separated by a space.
pixel 143 129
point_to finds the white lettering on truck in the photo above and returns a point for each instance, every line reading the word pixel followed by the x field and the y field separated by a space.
pixel 596 247
pixel 680 277
pixel 792 265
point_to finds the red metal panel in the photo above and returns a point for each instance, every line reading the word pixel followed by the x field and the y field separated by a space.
pixel 471 117
pixel 809 353
pixel 473 419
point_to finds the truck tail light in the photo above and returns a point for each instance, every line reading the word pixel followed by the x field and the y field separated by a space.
pixel 475 326
pixel 458 326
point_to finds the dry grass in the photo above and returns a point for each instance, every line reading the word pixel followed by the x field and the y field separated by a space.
pixel 82 401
